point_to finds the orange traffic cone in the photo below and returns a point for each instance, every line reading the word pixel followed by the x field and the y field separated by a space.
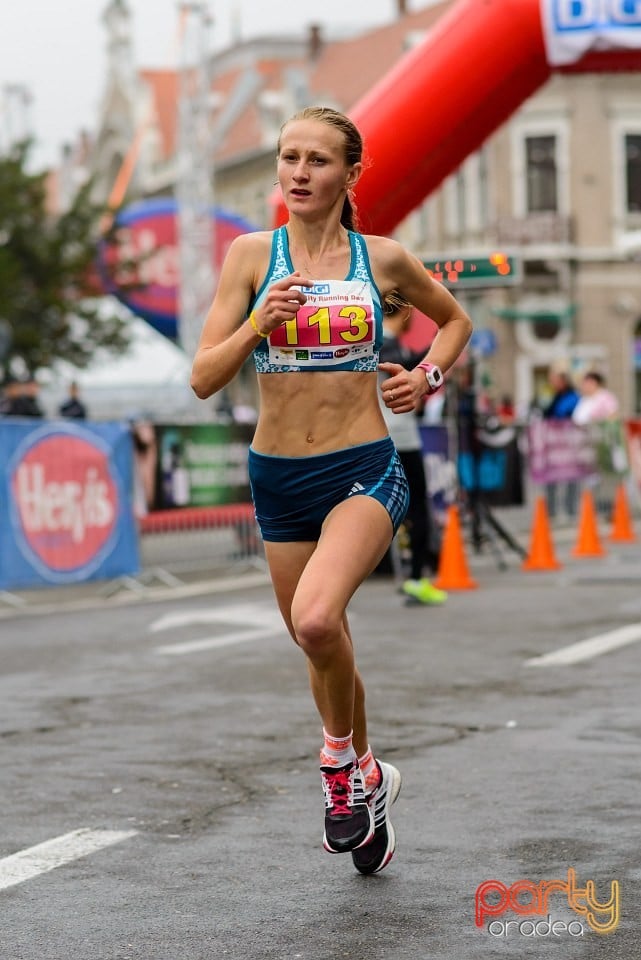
pixel 622 529
pixel 588 543
pixel 541 555
pixel 453 573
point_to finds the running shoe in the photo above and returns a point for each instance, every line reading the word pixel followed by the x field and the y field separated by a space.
pixel 424 591
pixel 379 851
pixel 349 820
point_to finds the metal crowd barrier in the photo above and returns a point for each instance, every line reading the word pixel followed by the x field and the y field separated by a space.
pixel 196 539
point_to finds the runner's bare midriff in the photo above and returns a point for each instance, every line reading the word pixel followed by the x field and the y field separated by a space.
pixel 303 414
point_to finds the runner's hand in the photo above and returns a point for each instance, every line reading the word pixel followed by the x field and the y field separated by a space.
pixel 282 302
pixel 404 390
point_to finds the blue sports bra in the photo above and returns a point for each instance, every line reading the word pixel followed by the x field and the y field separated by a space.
pixel 340 327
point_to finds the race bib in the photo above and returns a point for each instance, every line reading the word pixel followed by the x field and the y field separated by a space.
pixel 334 326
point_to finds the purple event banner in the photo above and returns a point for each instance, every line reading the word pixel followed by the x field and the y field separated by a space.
pixel 559 450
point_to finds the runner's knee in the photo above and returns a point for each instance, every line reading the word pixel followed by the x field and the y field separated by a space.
pixel 317 628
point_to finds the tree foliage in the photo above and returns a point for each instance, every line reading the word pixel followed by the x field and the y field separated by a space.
pixel 48 288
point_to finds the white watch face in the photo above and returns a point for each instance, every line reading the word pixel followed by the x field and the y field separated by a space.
pixel 434 377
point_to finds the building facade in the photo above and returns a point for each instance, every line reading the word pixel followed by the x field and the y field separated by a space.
pixel 553 196
pixel 558 189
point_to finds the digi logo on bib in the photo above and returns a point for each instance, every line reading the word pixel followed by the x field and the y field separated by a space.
pixel 66 502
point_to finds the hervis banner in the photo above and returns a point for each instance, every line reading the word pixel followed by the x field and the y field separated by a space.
pixel 572 28
pixel 65 503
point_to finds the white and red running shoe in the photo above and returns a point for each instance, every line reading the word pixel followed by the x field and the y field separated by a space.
pixel 376 854
pixel 349 819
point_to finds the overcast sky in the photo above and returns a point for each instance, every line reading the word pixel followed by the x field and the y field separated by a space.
pixel 56 49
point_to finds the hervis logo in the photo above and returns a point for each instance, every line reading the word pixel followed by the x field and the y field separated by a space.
pixel 66 501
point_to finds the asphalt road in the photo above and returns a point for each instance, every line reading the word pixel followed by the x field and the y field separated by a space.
pixel 160 755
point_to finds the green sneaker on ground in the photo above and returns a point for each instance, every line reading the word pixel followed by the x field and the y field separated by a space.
pixel 424 592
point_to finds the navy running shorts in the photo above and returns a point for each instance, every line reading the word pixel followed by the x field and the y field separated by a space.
pixel 293 495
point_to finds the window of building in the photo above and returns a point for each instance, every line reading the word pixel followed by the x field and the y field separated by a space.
pixel 454 199
pixel 541 174
pixel 461 201
pixel 423 223
pixel 633 172
pixel 483 186
pixel 473 194
pixel 453 205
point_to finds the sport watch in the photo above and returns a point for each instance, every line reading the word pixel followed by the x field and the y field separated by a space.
pixel 433 376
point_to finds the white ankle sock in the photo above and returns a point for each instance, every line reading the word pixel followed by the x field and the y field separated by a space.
pixel 336 751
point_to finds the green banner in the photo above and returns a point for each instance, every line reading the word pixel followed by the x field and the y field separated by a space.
pixel 202 464
pixel 609 440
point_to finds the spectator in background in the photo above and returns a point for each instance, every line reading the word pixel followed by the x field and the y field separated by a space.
pixel 561 407
pixel 564 396
pixel 596 403
pixel 598 409
pixel 21 398
pixel 31 403
pixel 73 407
pixel 145 447
pixel 6 398
pixel 404 431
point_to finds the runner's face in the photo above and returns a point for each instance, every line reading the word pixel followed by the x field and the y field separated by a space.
pixel 312 171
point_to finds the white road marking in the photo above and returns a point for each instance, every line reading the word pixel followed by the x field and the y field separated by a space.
pixel 127 598
pixel 259 621
pixel 586 649
pixel 46 856
pixel 245 613
pixel 211 643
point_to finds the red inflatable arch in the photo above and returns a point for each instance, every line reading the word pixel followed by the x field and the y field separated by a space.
pixel 475 67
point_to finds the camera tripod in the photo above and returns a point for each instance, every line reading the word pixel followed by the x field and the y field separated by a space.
pixel 486 529
pixel 471 437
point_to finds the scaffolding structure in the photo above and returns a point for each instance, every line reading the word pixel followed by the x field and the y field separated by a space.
pixel 194 184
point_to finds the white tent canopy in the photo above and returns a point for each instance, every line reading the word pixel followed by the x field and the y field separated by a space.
pixel 150 380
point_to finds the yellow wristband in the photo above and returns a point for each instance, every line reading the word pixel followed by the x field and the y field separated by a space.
pixel 255 327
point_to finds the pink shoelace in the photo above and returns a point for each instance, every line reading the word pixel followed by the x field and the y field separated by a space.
pixel 338 792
